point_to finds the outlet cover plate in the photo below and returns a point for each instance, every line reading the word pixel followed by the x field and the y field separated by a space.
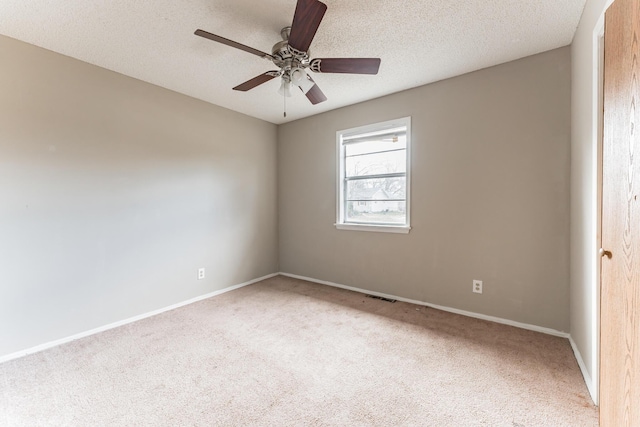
pixel 201 273
pixel 477 286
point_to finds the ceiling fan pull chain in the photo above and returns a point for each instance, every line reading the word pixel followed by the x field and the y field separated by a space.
pixel 285 105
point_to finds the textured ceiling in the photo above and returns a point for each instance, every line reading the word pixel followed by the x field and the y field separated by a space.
pixel 419 42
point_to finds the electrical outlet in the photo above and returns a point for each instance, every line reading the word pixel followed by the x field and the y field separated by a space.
pixel 477 286
pixel 201 273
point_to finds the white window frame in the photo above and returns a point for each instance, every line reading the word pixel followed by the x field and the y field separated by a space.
pixel 340 190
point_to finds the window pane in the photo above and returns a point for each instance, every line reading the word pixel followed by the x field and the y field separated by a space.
pixel 377 189
pixel 373 174
pixel 375 146
pixel 377 164
pixel 376 212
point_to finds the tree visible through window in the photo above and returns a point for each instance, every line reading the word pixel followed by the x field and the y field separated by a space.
pixel 374 174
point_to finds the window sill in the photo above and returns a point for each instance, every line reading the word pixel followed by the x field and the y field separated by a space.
pixel 401 229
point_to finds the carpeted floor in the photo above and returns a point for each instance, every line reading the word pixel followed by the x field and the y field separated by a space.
pixel 285 352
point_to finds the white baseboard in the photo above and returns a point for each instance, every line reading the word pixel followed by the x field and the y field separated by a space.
pixel 529 327
pixel 591 385
pixel 56 343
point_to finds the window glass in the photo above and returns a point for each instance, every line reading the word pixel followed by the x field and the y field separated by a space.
pixel 374 174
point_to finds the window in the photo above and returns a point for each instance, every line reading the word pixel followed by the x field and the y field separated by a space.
pixel 373 189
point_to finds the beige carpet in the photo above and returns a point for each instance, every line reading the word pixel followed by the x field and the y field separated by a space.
pixel 285 352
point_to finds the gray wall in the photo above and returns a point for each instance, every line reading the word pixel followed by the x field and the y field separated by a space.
pixel 490 195
pixel 585 296
pixel 114 192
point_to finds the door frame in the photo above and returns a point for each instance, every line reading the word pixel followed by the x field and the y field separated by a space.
pixel 597 189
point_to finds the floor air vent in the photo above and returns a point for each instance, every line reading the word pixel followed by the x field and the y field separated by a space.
pixel 381 298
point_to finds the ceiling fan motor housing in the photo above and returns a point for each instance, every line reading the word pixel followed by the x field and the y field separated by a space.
pixel 286 57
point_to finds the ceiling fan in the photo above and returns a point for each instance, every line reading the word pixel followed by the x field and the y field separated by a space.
pixel 291 55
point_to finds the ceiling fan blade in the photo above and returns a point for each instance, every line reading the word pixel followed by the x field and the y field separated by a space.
pixel 256 81
pixel 231 43
pixel 306 20
pixel 346 65
pixel 314 94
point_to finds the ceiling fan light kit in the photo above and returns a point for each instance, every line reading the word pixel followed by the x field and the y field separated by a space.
pixel 285 89
pixel 291 55
pixel 300 78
